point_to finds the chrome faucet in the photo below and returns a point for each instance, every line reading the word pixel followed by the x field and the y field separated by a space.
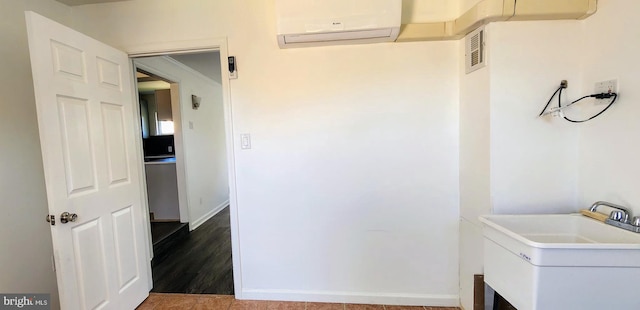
pixel 626 214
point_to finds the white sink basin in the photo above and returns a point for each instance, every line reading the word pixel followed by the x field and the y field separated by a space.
pixel 561 262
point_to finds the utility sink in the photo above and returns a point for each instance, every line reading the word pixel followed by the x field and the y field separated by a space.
pixel 567 261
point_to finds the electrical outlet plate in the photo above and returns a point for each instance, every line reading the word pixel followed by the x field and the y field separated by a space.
pixel 609 86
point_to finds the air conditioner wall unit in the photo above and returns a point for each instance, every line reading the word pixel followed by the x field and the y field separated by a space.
pixel 304 23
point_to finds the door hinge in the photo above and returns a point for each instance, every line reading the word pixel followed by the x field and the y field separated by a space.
pixel 51 219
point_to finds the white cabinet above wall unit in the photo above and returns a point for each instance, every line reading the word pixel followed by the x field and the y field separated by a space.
pixel 475 13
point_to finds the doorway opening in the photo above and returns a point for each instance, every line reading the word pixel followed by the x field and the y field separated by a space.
pixel 184 143
pixel 156 122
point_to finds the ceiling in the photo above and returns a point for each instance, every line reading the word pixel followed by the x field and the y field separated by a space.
pixel 82 2
pixel 413 11
pixel 207 63
pixel 148 84
pixel 151 86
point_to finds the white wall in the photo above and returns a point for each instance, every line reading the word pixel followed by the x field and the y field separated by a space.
pixel 609 144
pixel 534 164
pixel 206 63
pixel 475 142
pixel 203 137
pixel 25 259
pixel 474 171
pixel 511 161
pixel 352 175
pixel 350 192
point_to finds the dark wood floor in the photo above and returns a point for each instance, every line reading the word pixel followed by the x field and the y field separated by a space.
pixel 201 264
pixel 160 230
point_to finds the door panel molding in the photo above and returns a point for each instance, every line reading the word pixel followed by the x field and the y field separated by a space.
pixel 87 126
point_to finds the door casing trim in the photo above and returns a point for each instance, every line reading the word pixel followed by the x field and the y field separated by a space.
pixel 198 46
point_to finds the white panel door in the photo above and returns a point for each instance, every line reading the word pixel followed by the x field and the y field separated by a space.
pixel 86 119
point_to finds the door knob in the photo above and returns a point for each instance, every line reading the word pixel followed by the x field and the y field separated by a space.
pixel 68 217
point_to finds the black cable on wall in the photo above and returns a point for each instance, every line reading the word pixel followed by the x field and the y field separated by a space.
pixel 558 92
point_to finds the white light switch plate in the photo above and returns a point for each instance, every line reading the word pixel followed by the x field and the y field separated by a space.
pixel 245 141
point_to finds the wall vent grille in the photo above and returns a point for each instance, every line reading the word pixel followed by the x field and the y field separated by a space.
pixel 475 56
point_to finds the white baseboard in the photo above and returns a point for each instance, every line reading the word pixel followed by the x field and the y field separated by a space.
pixel 195 224
pixel 432 300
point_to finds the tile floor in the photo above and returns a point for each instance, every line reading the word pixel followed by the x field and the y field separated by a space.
pixel 157 301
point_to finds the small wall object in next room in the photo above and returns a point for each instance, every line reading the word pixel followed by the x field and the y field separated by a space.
pixel 195 102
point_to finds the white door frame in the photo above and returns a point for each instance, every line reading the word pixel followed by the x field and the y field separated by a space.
pixel 185 215
pixel 195 46
pixel 176 109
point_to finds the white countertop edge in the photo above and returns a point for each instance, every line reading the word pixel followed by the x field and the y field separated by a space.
pixel 159 163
